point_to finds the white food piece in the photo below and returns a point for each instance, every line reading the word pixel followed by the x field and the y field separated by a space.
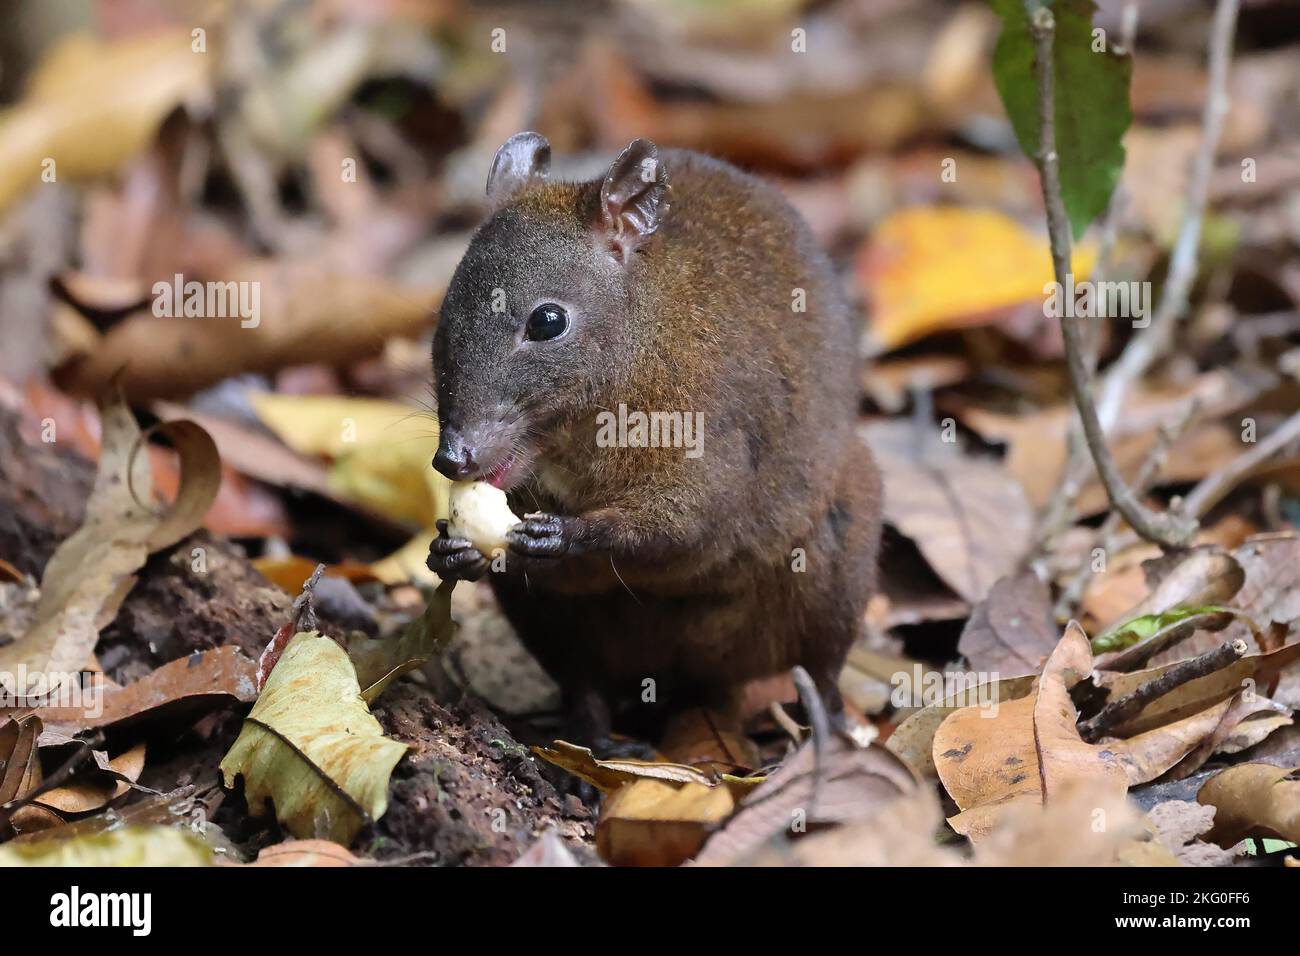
pixel 478 511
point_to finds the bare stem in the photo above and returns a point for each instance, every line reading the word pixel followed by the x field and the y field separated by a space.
pixel 1060 510
pixel 1168 530
pixel 1106 534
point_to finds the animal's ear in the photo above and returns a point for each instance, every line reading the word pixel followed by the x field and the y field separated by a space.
pixel 634 197
pixel 522 157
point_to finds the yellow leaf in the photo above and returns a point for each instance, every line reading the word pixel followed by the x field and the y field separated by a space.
pixel 382 451
pixel 311 746
pixel 652 823
pixel 408 563
pixel 152 845
pixel 92 106
pixel 931 269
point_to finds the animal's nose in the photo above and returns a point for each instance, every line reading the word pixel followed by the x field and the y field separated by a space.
pixel 455 459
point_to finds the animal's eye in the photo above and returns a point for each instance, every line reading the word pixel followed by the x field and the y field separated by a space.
pixel 548 321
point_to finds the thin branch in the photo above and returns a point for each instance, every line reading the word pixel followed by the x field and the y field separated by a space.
pixel 1212 489
pixel 1130 705
pixel 1215 486
pixel 1168 530
pixel 1106 534
pixel 1056 517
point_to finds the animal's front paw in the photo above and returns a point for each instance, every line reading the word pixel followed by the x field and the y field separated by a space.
pixel 455 559
pixel 540 536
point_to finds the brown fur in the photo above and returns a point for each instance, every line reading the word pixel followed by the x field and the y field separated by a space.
pixel 682 569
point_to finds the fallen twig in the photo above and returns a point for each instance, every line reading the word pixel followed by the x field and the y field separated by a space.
pixel 1118 712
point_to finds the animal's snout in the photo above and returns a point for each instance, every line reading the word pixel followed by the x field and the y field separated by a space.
pixel 455 458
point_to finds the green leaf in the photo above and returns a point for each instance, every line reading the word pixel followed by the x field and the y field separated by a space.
pixel 1147 626
pixel 1092 101
pixel 311 746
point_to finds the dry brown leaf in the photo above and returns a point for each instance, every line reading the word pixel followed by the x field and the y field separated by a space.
pixel 1012 630
pixel 1253 799
pixel 700 737
pixel 306 314
pixel 1254 730
pixel 256 454
pixel 890 383
pixel 1125 581
pixel 549 850
pixel 969 518
pixel 1084 823
pixel 870 680
pixel 900 833
pixel 313 853
pixel 855 783
pixel 983 756
pixel 610 775
pixel 1245 704
pixel 1271 590
pixel 1177 824
pixel 92 570
pixel 96 789
pixel 1037 442
pixel 1030 748
pixel 1083 826
pixel 1255 671
pixel 8 573
pixel 652 823
pixel 19 770
pixel 1206 575
pixel 33 818
pixel 190 685
pixel 913 739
